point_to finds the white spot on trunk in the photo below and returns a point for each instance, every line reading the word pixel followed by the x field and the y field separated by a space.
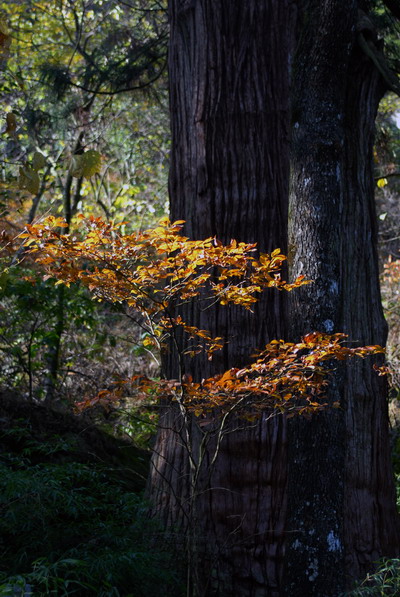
pixel 334 287
pixel 328 325
pixel 333 542
pixel 312 570
pixel 296 544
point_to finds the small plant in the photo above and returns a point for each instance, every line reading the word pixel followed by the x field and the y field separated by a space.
pixel 385 582
pixel 27 331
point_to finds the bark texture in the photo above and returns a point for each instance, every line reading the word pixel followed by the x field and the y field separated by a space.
pixel 326 496
pixel 341 502
pixel 229 177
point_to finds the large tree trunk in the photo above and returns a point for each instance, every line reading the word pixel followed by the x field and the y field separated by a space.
pixel 229 177
pixel 341 502
pixel 229 76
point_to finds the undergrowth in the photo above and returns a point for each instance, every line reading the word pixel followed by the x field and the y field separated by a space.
pixel 385 582
pixel 69 528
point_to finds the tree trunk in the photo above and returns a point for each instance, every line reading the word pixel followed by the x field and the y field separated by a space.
pixel 341 502
pixel 229 178
pixel 229 77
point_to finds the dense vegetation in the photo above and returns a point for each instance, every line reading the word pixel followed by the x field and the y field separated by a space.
pixel 72 520
pixel 74 523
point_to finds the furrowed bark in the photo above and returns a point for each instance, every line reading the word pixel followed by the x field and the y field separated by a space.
pixel 341 501
pixel 229 178
pixel 333 509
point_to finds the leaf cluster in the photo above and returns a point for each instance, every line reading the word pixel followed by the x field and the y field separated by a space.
pixel 155 273
pixel 286 377
pixel 384 582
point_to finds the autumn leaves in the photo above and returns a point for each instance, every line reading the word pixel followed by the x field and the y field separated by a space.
pixel 157 271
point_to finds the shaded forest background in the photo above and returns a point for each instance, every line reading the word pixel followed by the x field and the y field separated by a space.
pixel 89 79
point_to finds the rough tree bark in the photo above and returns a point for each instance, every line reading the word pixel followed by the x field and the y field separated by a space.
pixel 229 177
pixel 341 502
pixel 230 67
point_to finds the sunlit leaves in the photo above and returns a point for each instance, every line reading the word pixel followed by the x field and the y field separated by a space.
pixel 285 377
pixel 155 268
pixel 156 272
pixel 382 182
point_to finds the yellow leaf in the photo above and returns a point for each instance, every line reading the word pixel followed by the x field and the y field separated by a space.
pixel 382 182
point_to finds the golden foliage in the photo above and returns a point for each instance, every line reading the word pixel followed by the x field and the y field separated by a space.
pixel 157 271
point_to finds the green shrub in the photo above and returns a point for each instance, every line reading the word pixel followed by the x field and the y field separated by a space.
pixel 68 528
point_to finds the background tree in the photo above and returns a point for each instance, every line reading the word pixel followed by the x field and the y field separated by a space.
pixel 72 70
pixel 346 517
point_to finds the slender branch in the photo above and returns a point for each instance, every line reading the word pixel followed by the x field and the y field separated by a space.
pixel 389 175
pixel 369 48
pixel 122 89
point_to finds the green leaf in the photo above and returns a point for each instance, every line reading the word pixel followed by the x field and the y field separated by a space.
pixel 28 179
pixel 38 161
pixel 86 164
pixel 91 163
